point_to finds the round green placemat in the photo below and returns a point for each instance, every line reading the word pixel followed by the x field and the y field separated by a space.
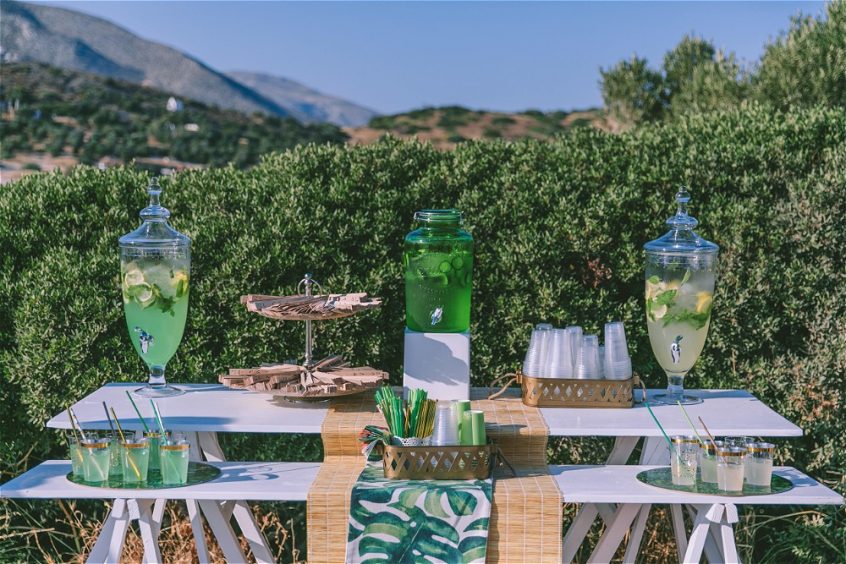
pixel 662 478
pixel 198 473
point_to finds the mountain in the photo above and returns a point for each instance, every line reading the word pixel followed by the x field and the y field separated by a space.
pixel 304 103
pixel 76 41
pixel 53 116
pixel 447 126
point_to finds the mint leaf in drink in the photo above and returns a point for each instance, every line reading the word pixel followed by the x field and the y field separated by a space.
pixel 653 279
pixel 666 297
pixel 686 276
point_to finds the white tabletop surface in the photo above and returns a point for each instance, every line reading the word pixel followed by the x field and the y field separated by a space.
pixel 269 481
pixel 212 407
pixel 619 484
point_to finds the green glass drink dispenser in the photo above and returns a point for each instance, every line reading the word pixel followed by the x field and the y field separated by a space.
pixel 438 264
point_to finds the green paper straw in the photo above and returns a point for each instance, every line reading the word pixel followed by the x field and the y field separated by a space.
pixel 158 418
pixel 669 442
pixel 123 438
pixel 109 419
pixel 138 411
pixel 686 416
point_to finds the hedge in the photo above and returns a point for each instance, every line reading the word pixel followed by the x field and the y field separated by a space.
pixel 559 228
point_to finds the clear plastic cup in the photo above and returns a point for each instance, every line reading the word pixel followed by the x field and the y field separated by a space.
pixel 601 362
pixel 617 362
pixel 575 333
pixel 560 356
pixel 588 358
pixel 758 466
pixel 683 459
pixel 445 431
pixel 533 363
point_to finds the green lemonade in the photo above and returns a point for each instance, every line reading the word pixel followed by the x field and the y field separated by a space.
pixel 155 302
pixel 135 459
pixel 96 459
pixel 154 438
pixel 678 313
pixel 438 282
pixel 76 457
pixel 174 464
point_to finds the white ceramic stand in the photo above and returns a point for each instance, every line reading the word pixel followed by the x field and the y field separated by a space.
pixel 438 363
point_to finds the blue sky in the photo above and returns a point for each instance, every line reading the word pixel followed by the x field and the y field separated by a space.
pixel 394 57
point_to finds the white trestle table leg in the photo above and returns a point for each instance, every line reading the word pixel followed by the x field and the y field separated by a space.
pixel 109 544
pixel 240 510
pixel 637 534
pixel 727 534
pixel 713 545
pixel 158 515
pixel 197 527
pixel 577 531
pixel 654 451
pixel 222 532
pixel 146 527
pixel 614 533
pixel 677 517
pixel 705 515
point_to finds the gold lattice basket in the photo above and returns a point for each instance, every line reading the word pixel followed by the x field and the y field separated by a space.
pixel 565 392
pixel 455 462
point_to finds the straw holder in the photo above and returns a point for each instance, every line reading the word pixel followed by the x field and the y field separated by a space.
pixel 458 462
pixel 567 392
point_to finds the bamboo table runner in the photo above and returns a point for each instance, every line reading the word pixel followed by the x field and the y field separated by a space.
pixel 526 519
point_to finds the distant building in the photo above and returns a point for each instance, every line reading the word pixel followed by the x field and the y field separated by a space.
pixel 174 104
pixel 192 127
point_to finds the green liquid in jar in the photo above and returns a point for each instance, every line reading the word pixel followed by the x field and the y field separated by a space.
pixel 155 303
pixel 438 268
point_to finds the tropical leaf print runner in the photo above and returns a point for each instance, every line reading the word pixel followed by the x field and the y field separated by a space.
pixel 417 520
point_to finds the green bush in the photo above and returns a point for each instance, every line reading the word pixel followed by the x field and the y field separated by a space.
pixel 559 229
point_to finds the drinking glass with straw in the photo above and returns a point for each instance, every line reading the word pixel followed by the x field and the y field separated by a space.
pixel 115 469
pixel 137 460
pixel 75 449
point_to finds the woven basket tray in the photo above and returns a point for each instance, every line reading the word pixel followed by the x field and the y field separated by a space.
pixel 564 392
pixel 459 462
pixel 310 308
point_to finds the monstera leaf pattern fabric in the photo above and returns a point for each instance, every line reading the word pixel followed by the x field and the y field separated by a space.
pixel 417 521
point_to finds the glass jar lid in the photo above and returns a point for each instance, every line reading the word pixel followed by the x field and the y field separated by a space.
pixel 439 217
pixel 154 230
pixel 681 239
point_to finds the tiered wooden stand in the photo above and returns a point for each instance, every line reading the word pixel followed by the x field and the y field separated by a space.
pixel 327 378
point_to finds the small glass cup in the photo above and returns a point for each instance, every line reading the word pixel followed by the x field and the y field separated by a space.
pixel 115 468
pixel 730 469
pixel 76 457
pixel 759 464
pixel 708 461
pixel 683 460
pixel 155 439
pixel 175 453
pixel 96 458
pixel 135 460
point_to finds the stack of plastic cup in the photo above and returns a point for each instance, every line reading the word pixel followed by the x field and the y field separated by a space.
pixel 587 359
pixel 618 363
pixel 535 363
pixel 446 425
pixel 575 333
pixel 560 356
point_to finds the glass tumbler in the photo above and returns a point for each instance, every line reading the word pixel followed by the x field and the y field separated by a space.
pixel 135 459
pixel 76 457
pixel 759 464
pixel 730 469
pixel 174 460
pixel 683 460
pixel 708 461
pixel 96 459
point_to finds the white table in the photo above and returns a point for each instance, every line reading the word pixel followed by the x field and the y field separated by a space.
pixel 208 409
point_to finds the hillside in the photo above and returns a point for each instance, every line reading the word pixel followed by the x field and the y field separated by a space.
pixel 76 41
pixel 447 126
pixel 304 103
pixel 81 117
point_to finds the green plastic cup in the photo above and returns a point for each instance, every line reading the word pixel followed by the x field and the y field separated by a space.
pixel 174 462
pixel 135 460
pixel 96 459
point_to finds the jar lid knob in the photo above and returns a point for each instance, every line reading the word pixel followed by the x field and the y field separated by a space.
pixel 682 220
pixel 154 210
